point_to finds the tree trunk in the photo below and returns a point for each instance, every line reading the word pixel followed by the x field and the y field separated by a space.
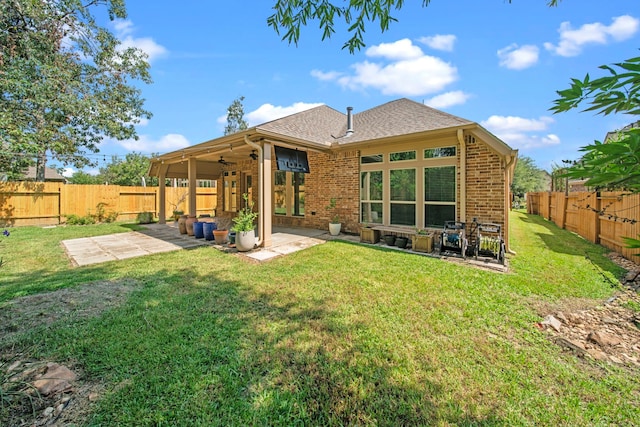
pixel 41 165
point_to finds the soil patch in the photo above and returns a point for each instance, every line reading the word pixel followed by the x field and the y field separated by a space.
pixel 607 331
pixel 24 404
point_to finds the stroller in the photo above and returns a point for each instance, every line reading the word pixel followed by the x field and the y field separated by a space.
pixel 453 238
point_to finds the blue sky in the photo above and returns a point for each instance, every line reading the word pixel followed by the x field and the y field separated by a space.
pixel 489 61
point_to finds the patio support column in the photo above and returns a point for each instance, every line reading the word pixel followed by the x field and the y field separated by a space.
pixel 267 195
pixel 162 196
pixel 192 173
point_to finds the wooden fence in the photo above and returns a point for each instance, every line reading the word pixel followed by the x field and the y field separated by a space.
pixel 603 218
pixel 49 203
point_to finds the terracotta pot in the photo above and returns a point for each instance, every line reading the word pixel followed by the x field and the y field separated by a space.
pixel 220 236
pixel 182 226
pixel 189 224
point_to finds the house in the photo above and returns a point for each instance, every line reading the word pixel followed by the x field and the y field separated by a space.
pixel 50 175
pixel 401 164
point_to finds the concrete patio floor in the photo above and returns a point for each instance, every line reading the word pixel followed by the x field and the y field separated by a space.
pixel 158 238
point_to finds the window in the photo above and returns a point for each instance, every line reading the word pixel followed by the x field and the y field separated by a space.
pixel 434 153
pixel 402 155
pixel 371 197
pixel 403 196
pixel 230 192
pixel 280 193
pixel 373 158
pixel 288 193
pixel 439 195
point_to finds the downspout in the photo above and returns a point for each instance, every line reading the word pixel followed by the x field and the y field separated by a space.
pixel 260 188
pixel 507 167
pixel 463 176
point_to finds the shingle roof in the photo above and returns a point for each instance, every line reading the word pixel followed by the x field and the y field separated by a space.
pixel 324 125
pixel 399 117
pixel 314 125
pixel 49 174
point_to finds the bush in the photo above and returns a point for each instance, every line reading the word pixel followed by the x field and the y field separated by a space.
pixel 80 220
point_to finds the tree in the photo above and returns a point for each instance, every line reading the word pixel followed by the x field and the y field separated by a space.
pixel 615 163
pixel 235 117
pixel 81 177
pixel 131 171
pixel 65 83
pixel 291 15
pixel 528 178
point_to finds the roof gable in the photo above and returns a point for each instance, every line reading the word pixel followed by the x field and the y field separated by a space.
pixel 317 125
pixel 400 117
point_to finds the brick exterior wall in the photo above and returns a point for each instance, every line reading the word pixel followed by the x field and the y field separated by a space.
pixel 485 183
pixel 336 176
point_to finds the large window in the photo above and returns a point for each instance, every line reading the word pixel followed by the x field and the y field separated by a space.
pixel 403 196
pixel 288 193
pixel 371 197
pixel 439 195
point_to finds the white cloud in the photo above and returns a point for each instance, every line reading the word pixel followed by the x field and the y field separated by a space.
pixel 520 132
pixel 448 99
pixel 517 57
pixel 322 76
pixel 68 172
pixel 124 32
pixel 401 49
pixel 146 144
pixel 439 41
pixel 406 71
pixel 268 112
pixel 573 40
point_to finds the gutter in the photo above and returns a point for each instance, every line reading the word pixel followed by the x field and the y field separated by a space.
pixel 260 189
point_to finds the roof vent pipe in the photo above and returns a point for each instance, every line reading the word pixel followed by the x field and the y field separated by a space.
pixel 349 121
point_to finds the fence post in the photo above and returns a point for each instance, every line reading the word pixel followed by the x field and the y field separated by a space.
pixel 598 207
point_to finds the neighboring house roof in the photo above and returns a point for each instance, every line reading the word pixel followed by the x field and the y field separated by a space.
pixel 49 174
pixel 615 133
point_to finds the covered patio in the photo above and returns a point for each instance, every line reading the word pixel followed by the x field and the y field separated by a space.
pixel 245 158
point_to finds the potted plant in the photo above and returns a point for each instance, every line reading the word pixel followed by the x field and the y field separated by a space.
pixel 244 226
pixel 177 214
pixel 422 241
pixel 334 225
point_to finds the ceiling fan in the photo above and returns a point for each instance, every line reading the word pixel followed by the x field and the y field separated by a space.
pixel 222 161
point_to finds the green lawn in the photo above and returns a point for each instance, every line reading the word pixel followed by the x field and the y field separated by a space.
pixel 337 334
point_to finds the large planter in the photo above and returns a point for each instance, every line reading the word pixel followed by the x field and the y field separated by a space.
pixel 245 240
pixel 189 224
pixel 207 230
pixel 198 231
pixel 334 228
pixel 401 242
pixel 369 235
pixel 220 236
pixel 390 239
pixel 422 243
pixel 182 226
